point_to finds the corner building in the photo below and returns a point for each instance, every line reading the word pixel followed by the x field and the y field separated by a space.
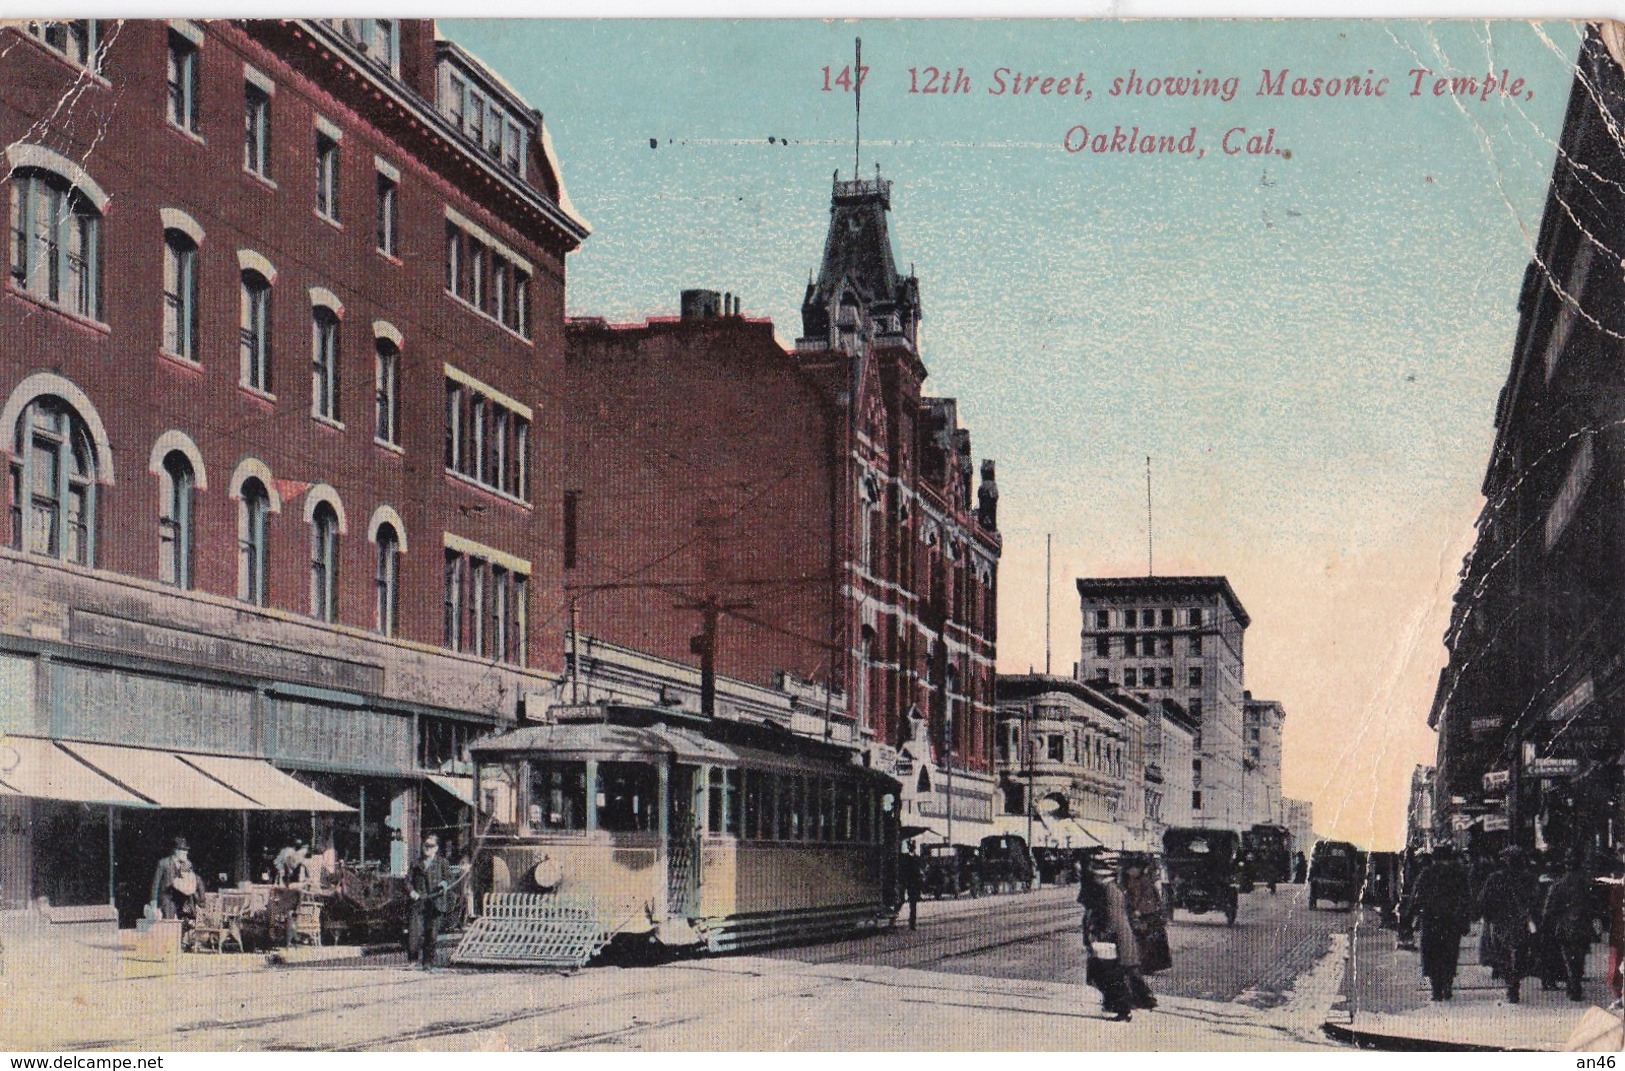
pixel 284 312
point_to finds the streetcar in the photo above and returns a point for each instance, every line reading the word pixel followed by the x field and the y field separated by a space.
pixel 652 825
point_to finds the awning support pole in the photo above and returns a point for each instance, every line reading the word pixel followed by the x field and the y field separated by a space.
pixel 361 823
pixel 111 898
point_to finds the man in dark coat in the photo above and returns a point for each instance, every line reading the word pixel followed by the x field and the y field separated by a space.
pixel 168 898
pixel 1444 904
pixel 911 877
pixel 1568 923
pixel 429 885
pixel 1511 904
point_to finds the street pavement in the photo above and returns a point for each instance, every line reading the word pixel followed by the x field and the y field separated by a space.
pixel 992 974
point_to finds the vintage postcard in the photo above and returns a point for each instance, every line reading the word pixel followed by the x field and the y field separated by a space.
pixel 812 535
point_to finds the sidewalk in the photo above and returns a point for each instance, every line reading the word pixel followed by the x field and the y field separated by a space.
pixel 1386 1002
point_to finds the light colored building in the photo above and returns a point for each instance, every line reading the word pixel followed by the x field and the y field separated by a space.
pixel 1070 758
pixel 1170 736
pixel 1300 819
pixel 1419 814
pixel 1261 761
pixel 1179 638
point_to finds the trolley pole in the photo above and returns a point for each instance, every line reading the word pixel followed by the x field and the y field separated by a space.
pixel 575 649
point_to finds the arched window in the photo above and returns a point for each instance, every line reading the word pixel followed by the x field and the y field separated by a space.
pixel 175 520
pixel 55 231
pixel 180 295
pixel 53 483
pixel 386 392
pixel 254 346
pixel 324 562
pixel 387 578
pixel 324 363
pixel 253 512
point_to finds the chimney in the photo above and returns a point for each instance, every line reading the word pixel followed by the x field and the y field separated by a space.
pixel 699 304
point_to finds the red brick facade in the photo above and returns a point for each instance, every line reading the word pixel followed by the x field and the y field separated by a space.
pixel 112 123
pixel 850 543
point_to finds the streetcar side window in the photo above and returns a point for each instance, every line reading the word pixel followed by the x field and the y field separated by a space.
pixel 735 797
pixel 754 826
pixel 499 793
pixel 785 805
pixel 798 806
pixel 628 797
pixel 826 809
pixel 558 796
pixel 713 812
pixel 843 812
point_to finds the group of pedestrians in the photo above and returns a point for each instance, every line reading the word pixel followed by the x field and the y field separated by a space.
pixel 1535 924
pixel 1125 934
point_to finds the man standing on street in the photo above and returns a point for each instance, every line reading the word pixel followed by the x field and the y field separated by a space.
pixel 1568 922
pixel 169 892
pixel 429 885
pixel 911 883
pixel 1444 902
pixel 1510 901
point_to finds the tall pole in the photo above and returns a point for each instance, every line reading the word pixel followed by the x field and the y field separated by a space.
pixel 1027 743
pixel 1047 539
pixel 1150 546
pixel 857 106
pixel 948 750
pixel 575 649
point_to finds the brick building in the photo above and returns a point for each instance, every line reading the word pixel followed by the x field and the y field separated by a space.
pixel 1179 638
pixel 1530 703
pixel 813 504
pixel 283 296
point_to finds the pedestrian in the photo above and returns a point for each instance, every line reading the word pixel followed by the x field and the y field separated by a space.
pixel 1407 901
pixel 174 885
pixel 429 886
pixel 911 883
pixel 1510 899
pixel 1444 905
pixel 1567 923
pixel 291 864
pixel 1300 869
pixel 1107 939
pixel 1146 917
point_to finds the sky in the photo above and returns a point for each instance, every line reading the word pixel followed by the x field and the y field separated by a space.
pixel 1307 341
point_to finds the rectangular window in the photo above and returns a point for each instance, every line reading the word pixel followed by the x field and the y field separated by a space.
pixel 183 83
pixel 55 248
pixel 454 260
pixel 1167 676
pixel 1057 747
pixel 558 796
pixel 1196 644
pixel 486 608
pixel 1168 618
pixel 499 291
pixel 327 177
pixel 1196 801
pixel 1103 619
pixel 510 148
pixel 256 131
pixel 487 440
pixel 1196 712
pixel 1196 676
pixel 521 303
pixel 73 39
pixel 454 426
pixel 454 601
pixel 476 274
pixel 1130 677
pixel 1103 646
pixel 386 215
pixel 1148 618
pixel 1196 616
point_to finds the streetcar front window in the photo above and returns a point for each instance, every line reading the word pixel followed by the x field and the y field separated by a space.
pixel 499 794
pixel 628 797
pixel 558 796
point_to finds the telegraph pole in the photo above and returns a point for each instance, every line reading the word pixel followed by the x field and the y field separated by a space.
pixel 710 606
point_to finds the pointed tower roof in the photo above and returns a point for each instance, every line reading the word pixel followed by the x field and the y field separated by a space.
pixel 859 267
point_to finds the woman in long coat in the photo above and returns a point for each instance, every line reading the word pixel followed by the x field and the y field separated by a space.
pixel 1105 919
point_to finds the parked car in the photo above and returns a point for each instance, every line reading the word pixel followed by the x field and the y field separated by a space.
pixel 1007 865
pixel 950 869
pixel 1267 855
pixel 1336 872
pixel 1204 871
pixel 1056 866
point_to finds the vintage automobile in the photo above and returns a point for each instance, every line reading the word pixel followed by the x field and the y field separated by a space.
pixel 950 869
pixel 1056 866
pixel 1336 873
pixel 1007 865
pixel 1267 856
pixel 1381 891
pixel 1204 871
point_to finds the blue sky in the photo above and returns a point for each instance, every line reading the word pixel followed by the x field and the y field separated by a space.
pixel 1308 347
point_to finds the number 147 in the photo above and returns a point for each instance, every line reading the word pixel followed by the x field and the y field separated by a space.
pixel 842 79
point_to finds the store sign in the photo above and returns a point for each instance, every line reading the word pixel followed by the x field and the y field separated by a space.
pixel 1484 726
pixel 1496 823
pixel 1461 821
pixel 1496 780
pixel 1550 767
pixel 1570 705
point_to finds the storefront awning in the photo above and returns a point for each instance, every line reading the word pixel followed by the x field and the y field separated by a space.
pixel 43 770
pixel 461 787
pixel 265 784
pixel 162 777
